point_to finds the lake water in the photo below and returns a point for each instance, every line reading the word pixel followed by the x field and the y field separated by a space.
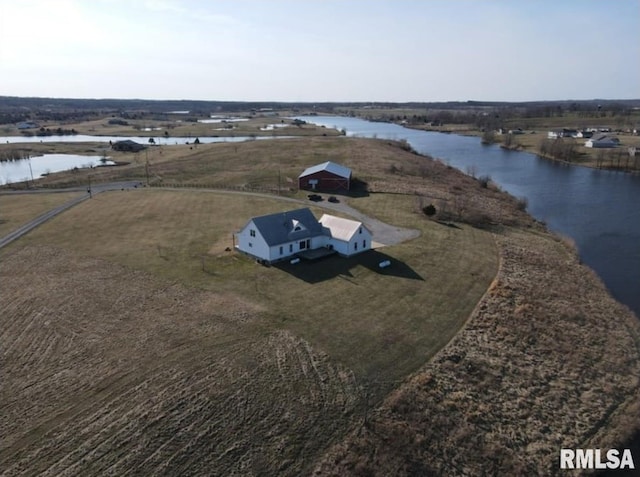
pixel 598 209
pixel 139 139
pixel 21 170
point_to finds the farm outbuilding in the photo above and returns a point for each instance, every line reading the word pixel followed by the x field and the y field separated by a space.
pixel 128 146
pixel 327 176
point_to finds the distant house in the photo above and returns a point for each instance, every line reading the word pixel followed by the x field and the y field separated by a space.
pixel 603 141
pixel 586 134
pixel 564 132
pixel 279 236
pixel 27 125
pixel 327 176
pixel 127 146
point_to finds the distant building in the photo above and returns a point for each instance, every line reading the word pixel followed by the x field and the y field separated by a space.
pixel 603 141
pixel 27 125
pixel 283 235
pixel 564 132
pixel 127 146
pixel 586 134
pixel 327 176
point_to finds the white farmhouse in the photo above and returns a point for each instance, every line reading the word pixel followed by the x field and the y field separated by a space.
pixel 274 237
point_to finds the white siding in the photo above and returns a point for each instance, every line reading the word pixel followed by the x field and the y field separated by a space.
pixel 252 245
pixel 288 249
pixel 360 241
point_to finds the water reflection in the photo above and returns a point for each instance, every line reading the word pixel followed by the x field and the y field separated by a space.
pixel 35 167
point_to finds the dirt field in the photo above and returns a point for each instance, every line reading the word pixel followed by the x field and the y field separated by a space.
pixel 107 370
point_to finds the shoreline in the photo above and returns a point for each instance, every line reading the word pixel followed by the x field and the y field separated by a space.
pixel 523 148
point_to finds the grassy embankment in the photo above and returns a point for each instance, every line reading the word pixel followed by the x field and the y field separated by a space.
pixel 207 361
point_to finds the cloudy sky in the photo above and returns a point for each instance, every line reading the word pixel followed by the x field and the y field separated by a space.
pixel 321 50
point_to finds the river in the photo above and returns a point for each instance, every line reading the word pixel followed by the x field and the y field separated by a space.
pixel 598 209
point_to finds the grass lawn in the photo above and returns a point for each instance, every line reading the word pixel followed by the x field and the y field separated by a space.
pixel 383 325
pixel 16 210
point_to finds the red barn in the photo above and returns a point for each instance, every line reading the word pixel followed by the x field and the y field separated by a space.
pixel 326 176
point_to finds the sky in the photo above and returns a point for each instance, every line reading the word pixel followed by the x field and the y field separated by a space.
pixel 321 50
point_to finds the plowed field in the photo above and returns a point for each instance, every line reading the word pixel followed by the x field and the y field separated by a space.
pixel 109 371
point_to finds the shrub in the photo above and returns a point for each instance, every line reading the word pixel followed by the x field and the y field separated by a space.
pixel 484 181
pixel 522 203
pixel 429 210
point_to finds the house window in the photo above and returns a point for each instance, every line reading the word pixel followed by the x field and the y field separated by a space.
pixel 252 233
pixel 250 244
pixel 303 245
pixel 290 248
pixel 355 246
pixel 360 230
pixel 364 244
pixel 281 249
pixel 297 229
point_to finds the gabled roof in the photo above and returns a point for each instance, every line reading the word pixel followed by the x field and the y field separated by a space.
pixel 328 166
pixel 605 137
pixel 341 229
pixel 288 226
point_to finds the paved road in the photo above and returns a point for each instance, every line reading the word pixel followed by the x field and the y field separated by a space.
pixel 383 234
pixel 96 189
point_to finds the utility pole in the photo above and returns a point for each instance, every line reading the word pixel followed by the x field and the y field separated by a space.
pixel 30 169
pixel 279 179
pixel 146 166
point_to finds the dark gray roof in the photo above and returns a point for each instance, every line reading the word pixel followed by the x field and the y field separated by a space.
pixel 281 227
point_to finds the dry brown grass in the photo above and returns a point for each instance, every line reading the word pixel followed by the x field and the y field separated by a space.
pixel 205 377
pixel 177 127
pixel 548 361
pixel 123 354
pixel 275 165
pixel 617 158
pixel 16 210
pixel 409 312
pixel 107 370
